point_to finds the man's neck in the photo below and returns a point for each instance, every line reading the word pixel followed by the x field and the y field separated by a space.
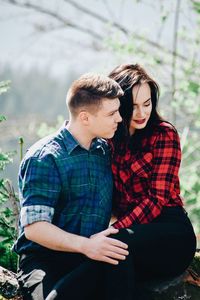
pixel 80 134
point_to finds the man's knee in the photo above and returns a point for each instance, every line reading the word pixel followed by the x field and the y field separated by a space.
pixel 32 285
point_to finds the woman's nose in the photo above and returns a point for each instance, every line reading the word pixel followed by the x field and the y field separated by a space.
pixel 140 112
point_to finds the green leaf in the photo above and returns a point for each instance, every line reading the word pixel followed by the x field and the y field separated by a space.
pixel 4 86
pixel 196 6
pixel 194 87
pixel 2 118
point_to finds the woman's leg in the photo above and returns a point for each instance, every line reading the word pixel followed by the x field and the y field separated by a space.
pixel 165 247
pixel 161 249
pixel 119 279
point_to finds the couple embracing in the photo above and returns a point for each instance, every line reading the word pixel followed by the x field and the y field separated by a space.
pixel 101 209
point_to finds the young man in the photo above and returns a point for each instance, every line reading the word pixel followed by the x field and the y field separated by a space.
pixel 65 188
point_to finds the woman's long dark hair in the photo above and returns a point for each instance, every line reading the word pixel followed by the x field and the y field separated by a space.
pixel 129 75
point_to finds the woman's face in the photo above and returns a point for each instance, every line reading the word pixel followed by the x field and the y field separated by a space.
pixel 142 107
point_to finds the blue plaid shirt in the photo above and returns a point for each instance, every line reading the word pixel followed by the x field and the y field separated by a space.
pixel 63 183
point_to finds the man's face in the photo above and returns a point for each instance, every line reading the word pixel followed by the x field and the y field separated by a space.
pixel 104 122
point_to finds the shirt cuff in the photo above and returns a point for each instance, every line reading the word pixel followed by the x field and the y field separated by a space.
pixel 116 225
pixel 35 213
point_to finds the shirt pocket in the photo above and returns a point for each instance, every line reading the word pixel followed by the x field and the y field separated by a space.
pixel 142 165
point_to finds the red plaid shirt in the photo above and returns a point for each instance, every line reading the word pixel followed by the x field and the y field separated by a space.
pixel 147 181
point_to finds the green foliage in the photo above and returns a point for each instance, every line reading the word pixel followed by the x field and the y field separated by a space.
pixel 2 118
pixel 196 264
pixel 8 230
pixel 8 258
pixel 190 177
pixel 44 129
pixel 4 86
pixel 5 158
pixel 196 6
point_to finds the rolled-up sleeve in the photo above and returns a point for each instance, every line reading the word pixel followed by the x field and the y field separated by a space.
pixel 35 213
pixel 39 189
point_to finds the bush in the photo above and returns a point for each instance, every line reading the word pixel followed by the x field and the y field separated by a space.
pixel 9 211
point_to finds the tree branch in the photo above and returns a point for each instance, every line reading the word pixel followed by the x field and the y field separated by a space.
pixel 55 16
pixel 123 29
pixel 97 17
pixel 174 57
pixel 13 202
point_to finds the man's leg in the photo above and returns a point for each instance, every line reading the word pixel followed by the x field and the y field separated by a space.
pixel 38 274
pixel 84 282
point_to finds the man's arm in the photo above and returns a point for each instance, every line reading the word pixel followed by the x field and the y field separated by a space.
pixel 99 247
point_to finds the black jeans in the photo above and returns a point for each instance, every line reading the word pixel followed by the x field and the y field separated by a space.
pixel 161 249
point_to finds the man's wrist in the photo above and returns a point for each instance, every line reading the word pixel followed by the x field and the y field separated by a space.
pixel 81 246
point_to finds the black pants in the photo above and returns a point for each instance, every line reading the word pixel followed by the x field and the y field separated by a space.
pixel 161 249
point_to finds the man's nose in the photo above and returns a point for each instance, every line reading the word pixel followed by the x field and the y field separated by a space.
pixel 118 118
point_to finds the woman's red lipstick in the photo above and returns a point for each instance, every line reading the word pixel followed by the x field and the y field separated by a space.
pixel 140 121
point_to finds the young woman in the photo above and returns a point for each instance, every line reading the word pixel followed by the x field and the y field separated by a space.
pixel 145 164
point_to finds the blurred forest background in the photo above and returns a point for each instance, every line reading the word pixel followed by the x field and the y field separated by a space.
pixel 45 45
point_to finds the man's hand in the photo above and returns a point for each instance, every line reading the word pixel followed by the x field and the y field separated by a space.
pixel 103 248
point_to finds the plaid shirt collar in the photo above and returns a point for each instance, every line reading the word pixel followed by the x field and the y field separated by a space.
pixel 71 143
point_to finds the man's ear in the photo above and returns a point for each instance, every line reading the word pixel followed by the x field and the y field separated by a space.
pixel 84 117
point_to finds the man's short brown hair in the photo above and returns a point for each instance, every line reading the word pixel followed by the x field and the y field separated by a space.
pixel 89 90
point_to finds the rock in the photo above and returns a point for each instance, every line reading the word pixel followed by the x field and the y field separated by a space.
pixel 9 286
pixel 176 289
pixel 183 287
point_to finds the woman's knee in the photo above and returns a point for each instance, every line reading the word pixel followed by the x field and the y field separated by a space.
pixel 124 235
